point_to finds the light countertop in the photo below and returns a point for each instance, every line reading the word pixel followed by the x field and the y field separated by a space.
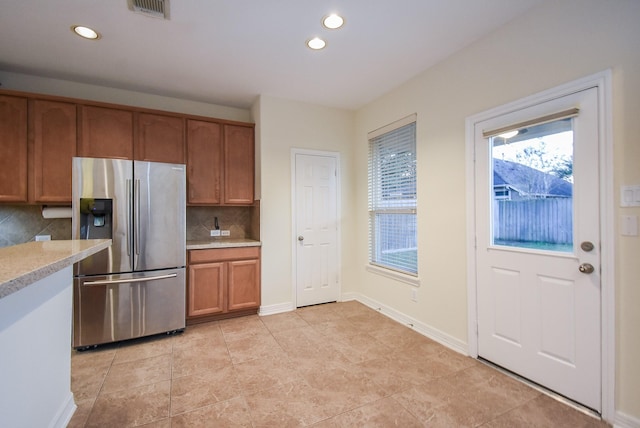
pixel 24 264
pixel 203 244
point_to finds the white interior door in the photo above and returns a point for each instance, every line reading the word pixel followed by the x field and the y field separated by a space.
pixel 316 223
pixel 538 280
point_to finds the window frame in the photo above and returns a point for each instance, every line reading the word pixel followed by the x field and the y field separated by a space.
pixel 381 202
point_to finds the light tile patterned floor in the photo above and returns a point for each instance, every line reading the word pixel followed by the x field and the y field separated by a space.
pixel 334 365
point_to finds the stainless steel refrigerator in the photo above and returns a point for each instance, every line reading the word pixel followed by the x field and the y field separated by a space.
pixel 136 287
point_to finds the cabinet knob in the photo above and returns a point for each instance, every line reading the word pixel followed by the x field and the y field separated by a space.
pixel 300 238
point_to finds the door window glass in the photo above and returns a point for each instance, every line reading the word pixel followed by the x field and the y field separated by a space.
pixel 532 187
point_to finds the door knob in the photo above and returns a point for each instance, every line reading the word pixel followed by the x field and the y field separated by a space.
pixel 586 268
pixel 587 246
pixel 300 238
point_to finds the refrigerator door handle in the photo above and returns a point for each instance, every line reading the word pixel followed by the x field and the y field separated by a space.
pixel 128 229
pixel 136 221
pixel 130 280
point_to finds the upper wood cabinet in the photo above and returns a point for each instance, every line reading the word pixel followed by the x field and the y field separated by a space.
pixel 159 138
pixel 40 135
pixel 105 133
pixel 220 163
pixel 204 162
pixel 239 165
pixel 109 133
pixel 53 130
pixel 13 149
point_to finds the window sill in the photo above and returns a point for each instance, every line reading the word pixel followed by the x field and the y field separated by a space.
pixel 407 279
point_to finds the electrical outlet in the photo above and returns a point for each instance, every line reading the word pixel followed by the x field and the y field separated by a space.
pixel 43 237
pixel 215 233
pixel 414 294
pixel 225 233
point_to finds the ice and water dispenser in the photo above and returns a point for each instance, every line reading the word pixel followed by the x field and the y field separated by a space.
pixel 96 218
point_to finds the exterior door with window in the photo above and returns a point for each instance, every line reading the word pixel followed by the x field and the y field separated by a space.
pixel 538 238
pixel 316 219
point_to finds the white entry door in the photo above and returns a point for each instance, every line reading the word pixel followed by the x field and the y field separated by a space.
pixel 538 244
pixel 316 223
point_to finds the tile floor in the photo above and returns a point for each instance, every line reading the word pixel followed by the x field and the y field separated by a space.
pixel 334 365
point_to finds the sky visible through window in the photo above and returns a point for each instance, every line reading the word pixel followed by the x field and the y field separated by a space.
pixel 553 149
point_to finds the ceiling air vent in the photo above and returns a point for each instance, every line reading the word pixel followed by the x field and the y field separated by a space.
pixel 153 8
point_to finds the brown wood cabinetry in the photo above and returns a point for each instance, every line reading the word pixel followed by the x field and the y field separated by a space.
pixel 13 149
pixel 239 165
pixel 204 162
pixel 40 134
pixel 53 129
pixel 206 289
pixel 221 163
pixel 105 133
pixel 159 138
pixel 222 282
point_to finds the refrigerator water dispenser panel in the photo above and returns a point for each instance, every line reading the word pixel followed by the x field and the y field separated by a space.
pixel 96 217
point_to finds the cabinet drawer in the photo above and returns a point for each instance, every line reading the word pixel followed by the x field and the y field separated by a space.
pixel 223 254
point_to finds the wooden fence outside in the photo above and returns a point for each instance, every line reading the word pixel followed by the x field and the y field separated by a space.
pixel 534 220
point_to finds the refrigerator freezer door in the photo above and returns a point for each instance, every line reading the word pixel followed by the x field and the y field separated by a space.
pixel 119 307
pixel 159 215
pixel 110 179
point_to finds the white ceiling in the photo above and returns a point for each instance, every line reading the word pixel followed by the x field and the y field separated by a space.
pixel 228 52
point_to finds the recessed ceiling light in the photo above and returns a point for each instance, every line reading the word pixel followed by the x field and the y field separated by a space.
pixel 333 21
pixel 316 43
pixel 86 32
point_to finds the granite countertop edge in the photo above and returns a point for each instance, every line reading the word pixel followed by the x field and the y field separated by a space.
pixel 24 264
pixel 204 244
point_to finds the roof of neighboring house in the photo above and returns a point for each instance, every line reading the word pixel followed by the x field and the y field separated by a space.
pixel 523 178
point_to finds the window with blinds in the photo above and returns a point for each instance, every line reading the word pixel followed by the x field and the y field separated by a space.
pixel 393 198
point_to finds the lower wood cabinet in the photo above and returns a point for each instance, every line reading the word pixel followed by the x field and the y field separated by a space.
pixel 222 282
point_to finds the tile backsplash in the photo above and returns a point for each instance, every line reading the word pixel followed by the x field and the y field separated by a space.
pixel 21 223
pixel 242 222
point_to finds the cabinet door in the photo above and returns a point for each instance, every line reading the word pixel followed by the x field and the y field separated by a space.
pixel 205 289
pixel 204 162
pixel 105 133
pixel 243 281
pixel 159 138
pixel 54 145
pixel 13 149
pixel 239 165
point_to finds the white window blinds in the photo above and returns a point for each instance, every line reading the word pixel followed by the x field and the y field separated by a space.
pixel 392 197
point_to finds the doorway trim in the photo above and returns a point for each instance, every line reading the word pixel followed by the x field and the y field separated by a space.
pixel 294 261
pixel 601 81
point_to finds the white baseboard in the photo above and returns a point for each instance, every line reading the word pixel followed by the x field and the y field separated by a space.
pixel 422 328
pixel 623 420
pixel 65 413
pixel 276 309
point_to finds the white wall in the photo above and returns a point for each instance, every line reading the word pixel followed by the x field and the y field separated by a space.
pixel 557 42
pixel 285 125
